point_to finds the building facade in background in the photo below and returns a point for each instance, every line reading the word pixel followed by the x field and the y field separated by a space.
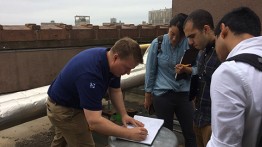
pixel 52 22
pixel 215 7
pixel 160 17
pixel 113 20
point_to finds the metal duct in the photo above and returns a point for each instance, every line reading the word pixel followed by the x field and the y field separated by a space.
pixel 20 107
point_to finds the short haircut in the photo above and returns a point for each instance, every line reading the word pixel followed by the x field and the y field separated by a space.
pixel 200 18
pixel 178 21
pixel 241 20
pixel 125 47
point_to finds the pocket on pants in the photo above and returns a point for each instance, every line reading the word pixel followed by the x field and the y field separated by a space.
pixel 59 113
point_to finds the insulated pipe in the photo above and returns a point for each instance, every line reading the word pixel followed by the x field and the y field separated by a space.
pixel 20 107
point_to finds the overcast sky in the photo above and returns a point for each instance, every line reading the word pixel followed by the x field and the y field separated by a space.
pixel 20 12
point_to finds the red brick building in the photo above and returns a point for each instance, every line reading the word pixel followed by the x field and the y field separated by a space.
pixel 216 7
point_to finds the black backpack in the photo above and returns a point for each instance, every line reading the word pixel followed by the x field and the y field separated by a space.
pixel 255 61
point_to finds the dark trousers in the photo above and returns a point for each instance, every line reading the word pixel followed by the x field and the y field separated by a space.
pixel 203 135
pixel 177 103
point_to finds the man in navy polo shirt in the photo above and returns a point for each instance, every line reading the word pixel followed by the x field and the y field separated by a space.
pixel 74 105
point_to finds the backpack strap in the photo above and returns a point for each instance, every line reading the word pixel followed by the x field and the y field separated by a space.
pixel 251 59
pixel 159 42
pixel 151 109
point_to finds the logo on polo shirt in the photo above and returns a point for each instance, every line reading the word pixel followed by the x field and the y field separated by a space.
pixel 92 85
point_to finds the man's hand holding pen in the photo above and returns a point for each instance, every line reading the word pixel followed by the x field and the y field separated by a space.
pixel 138 132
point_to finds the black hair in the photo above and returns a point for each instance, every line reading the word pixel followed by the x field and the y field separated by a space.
pixel 178 21
pixel 200 18
pixel 241 20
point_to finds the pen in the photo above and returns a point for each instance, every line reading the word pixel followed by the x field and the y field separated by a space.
pixel 186 65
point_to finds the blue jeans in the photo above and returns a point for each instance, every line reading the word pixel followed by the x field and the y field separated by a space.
pixel 177 103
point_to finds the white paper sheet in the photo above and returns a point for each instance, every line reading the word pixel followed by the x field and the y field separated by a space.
pixel 152 125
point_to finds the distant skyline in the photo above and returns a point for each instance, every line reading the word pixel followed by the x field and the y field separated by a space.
pixel 20 12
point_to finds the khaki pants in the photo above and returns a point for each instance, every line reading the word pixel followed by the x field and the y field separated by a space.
pixel 71 127
pixel 203 135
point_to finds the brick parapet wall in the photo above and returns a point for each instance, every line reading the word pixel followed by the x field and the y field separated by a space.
pixel 32 36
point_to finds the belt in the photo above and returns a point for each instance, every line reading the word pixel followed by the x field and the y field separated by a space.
pixel 180 92
pixel 50 100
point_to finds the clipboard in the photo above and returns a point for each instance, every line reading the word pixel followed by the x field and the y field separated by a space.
pixel 188 58
pixel 153 126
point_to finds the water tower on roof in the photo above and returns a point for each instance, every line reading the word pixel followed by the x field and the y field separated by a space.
pixel 82 20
